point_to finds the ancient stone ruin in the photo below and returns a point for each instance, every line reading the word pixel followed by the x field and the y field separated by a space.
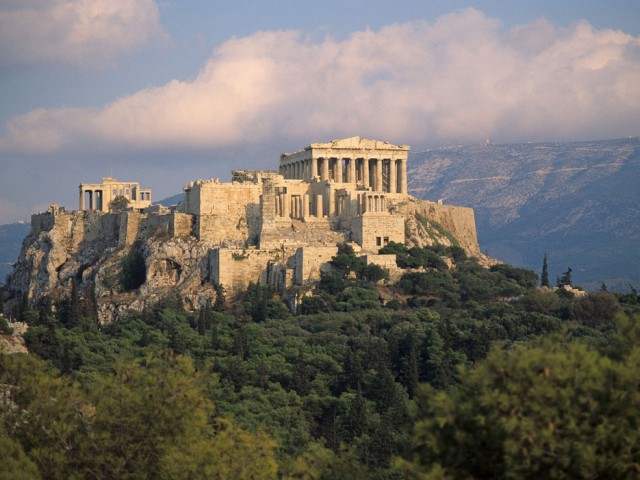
pixel 98 196
pixel 272 227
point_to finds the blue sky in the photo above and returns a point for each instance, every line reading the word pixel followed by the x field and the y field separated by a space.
pixel 167 92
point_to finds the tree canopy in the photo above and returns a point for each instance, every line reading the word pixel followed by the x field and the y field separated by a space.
pixel 458 370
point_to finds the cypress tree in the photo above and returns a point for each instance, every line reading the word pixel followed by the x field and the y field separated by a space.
pixel 220 305
pixel 74 305
pixel 412 367
pixel 544 277
pixel 301 376
pixel 201 321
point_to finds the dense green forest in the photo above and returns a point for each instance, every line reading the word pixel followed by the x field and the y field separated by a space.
pixel 462 372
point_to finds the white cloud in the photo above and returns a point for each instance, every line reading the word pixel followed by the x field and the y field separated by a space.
pixel 87 33
pixel 459 78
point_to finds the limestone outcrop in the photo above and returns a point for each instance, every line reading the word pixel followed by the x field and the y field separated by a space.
pixel 279 228
pixel 14 343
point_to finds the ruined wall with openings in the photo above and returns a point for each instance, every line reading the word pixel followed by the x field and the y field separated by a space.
pixel 372 231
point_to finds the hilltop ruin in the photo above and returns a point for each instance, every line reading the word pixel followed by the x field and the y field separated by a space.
pixel 277 227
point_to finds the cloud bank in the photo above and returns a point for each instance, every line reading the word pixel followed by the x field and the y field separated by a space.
pixel 461 78
pixel 87 33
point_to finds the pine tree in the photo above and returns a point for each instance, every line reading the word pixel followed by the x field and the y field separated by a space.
pixel 357 415
pixel 544 277
pixel 565 279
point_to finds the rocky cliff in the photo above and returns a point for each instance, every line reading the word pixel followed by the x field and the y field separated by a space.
pixel 131 260
pixel 92 248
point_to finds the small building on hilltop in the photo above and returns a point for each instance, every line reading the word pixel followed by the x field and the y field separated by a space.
pixel 98 196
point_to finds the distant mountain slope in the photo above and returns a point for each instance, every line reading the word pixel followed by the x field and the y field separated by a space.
pixel 11 236
pixel 172 200
pixel 578 202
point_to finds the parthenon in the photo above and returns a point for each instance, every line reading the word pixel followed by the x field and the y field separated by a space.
pixel 371 163
pixel 340 189
pixel 98 196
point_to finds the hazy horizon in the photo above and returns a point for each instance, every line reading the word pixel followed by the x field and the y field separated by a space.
pixel 163 93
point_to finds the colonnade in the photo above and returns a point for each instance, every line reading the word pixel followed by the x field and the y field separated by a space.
pixel 381 174
pixel 292 206
pixel 98 196
pixel 95 199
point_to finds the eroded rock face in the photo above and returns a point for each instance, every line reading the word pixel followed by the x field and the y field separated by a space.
pixel 14 343
pixel 180 265
pixel 173 267
pixel 130 261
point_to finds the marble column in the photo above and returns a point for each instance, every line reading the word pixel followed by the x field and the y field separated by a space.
pixel 378 171
pixel 338 177
pixel 393 179
pixel 305 206
pixel 403 176
pixel 365 171
pixel 352 170
pixel 319 210
pixel 324 175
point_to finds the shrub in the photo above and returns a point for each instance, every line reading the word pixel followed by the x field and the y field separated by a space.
pixel 4 326
pixel 525 278
pixel 134 270
pixel 594 309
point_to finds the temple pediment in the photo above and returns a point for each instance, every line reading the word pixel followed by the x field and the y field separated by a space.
pixel 357 143
pixel 357 162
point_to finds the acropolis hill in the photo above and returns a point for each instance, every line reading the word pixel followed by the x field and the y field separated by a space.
pixel 272 227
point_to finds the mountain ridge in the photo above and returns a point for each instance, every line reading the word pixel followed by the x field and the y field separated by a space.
pixel 577 202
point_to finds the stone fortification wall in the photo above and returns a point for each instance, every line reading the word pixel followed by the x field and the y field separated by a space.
pixel 235 268
pixel 77 227
pixel 457 221
pixel 225 212
pixel 310 261
pixel 253 176
pixel 214 198
pixel 374 230
pixel 42 222
pixel 129 228
pixel 289 232
pixel 233 230
pixel 92 227
pixel 385 261
pixel 59 246
pixel 135 226
pixel 180 224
